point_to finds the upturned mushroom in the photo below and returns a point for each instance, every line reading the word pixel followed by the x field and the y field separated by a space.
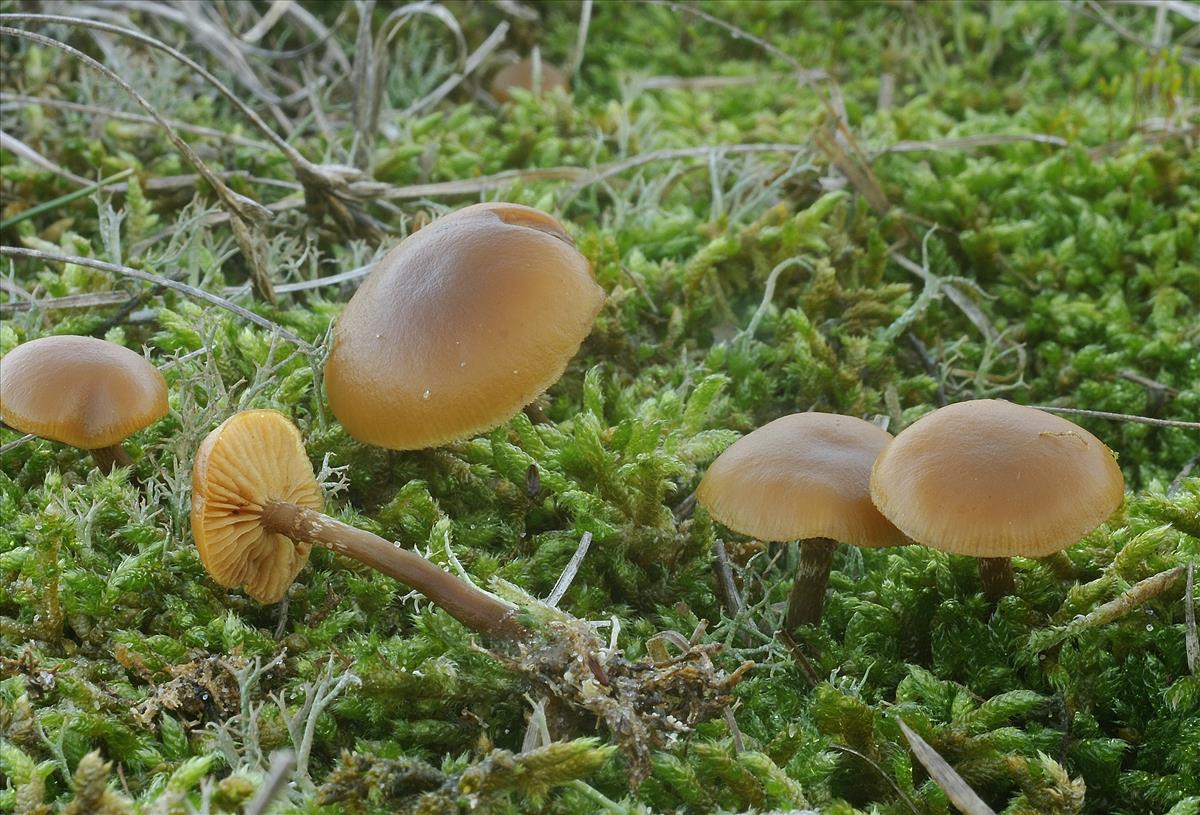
pixel 88 393
pixel 257 511
pixel 802 477
pixel 460 326
pixel 534 75
pixel 994 480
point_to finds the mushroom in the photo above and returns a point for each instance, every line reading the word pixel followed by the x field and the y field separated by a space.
pixel 460 326
pixel 257 510
pixel 534 75
pixel 82 391
pixel 802 477
pixel 993 480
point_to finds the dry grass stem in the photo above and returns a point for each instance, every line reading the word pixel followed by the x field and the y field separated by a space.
pixel 1119 417
pixel 190 291
pixel 957 790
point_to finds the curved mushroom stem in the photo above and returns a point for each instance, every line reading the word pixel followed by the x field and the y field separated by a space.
pixel 807 599
pixel 109 458
pixel 996 574
pixel 472 607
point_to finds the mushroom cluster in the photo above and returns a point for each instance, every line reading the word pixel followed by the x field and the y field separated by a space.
pixel 984 478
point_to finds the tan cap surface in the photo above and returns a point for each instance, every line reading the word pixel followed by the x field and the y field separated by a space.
pixel 85 392
pixel 459 327
pixel 253 457
pixel 801 476
pixel 520 75
pixel 988 478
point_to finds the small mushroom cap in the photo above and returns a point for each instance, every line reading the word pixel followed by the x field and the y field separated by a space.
pixel 988 478
pixel 82 391
pixel 520 75
pixel 801 476
pixel 252 458
pixel 459 327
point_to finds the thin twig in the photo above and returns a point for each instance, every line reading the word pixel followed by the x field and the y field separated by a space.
pixel 1177 482
pixel 15 443
pixel 191 291
pixel 733 598
pixel 971 142
pixel 564 580
pixel 1119 417
pixel 1136 595
pixel 806 667
pixel 282 762
pixel 1191 640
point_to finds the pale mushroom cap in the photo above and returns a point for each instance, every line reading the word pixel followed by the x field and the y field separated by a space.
pixel 459 327
pixel 988 478
pixel 520 75
pixel 801 476
pixel 82 391
pixel 252 458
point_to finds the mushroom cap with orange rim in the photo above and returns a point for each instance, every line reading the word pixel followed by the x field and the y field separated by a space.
pixel 252 458
pixel 801 476
pixel 988 478
pixel 82 391
pixel 520 75
pixel 460 326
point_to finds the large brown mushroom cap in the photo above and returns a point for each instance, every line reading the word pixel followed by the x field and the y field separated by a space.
pixel 520 75
pixel 459 327
pixel 254 457
pixel 801 476
pixel 82 391
pixel 988 478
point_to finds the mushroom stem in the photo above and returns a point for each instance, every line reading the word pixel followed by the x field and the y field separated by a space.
pixel 807 599
pixel 470 606
pixel 109 458
pixel 996 575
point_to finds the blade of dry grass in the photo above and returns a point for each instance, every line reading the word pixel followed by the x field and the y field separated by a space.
pixel 70 301
pixel 958 791
pixel 10 101
pixel 14 145
pixel 245 211
pixel 585 19
pixel 183 288
pixel 280 144
pixel 972 142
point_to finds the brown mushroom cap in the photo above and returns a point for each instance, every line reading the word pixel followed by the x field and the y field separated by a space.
pixel 252 458
pixel 801 476
pixel 520 75
pixel 85 392
pixel 988 478
pixel 459 327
